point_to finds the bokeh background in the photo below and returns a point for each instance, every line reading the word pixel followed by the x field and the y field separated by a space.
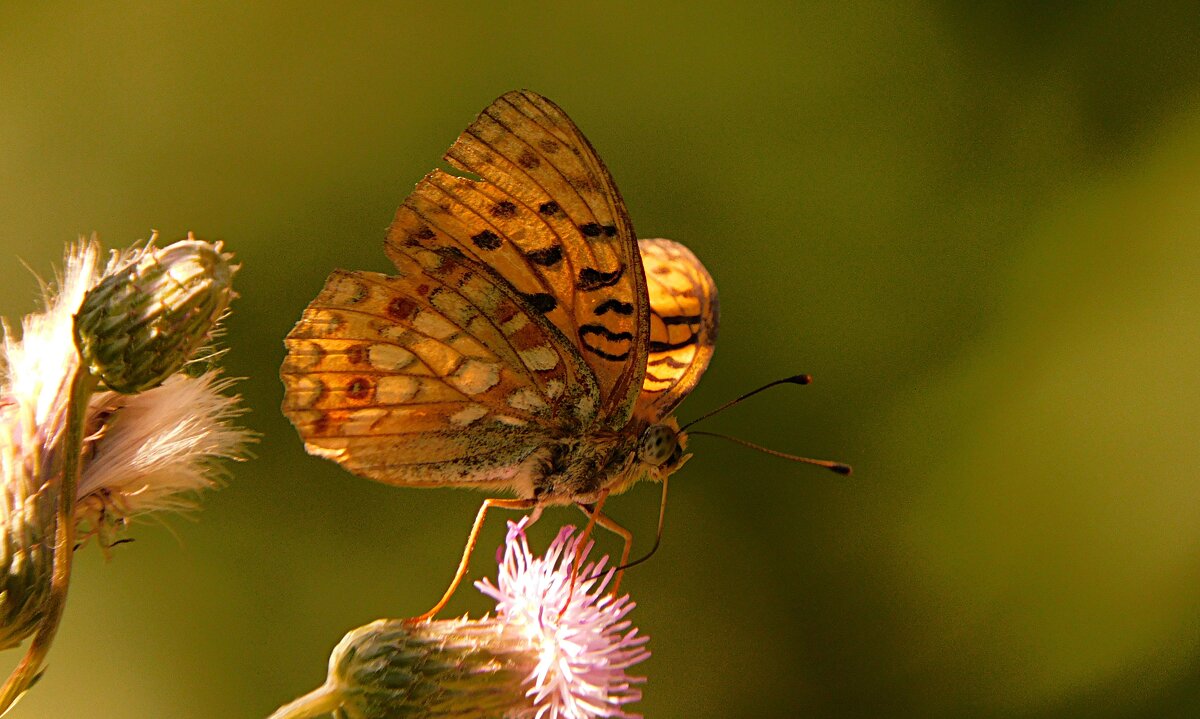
pixel 977 224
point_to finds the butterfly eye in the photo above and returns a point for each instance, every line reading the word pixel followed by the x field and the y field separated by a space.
pixel 658 445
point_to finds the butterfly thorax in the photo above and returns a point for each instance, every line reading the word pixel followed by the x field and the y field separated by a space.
pixel 579 467
pixel 576 468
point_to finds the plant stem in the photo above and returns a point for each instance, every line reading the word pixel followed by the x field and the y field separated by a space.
pixel 30 668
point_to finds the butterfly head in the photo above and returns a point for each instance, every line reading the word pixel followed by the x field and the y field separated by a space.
pixel 662 446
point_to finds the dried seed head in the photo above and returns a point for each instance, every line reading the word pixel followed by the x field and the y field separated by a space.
pixel 156 450
pixel 34 394
pixel 144 320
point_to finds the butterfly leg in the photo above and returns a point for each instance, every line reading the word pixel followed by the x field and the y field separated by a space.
pixel 518 504
pixel 611 525
pixel 593 512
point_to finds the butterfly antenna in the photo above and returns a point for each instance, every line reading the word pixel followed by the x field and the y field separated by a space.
pixel 838 467
pixel 797 379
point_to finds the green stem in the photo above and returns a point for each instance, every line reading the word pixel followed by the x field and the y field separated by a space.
pixel 320 701
pixel 83 384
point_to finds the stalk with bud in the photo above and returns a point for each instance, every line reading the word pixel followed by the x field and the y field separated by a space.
pixel 126 329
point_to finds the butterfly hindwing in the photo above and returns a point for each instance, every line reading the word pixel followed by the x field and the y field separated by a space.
pixel 683 325
pixel 546 218
pixel 437 375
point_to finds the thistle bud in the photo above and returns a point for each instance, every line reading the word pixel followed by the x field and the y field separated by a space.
pixel 455 668
pixel 143 321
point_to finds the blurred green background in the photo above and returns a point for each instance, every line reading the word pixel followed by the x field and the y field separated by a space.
pixel 978 226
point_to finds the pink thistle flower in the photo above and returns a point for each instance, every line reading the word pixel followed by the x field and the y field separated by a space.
pixel 584 642
pixel 557 647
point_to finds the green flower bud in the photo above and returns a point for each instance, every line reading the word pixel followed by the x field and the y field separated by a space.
pixel 393 669
pixel 145 319
pixel 431 669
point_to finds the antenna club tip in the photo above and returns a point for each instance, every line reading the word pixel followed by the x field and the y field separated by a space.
pixel 801 379
pixel 842 469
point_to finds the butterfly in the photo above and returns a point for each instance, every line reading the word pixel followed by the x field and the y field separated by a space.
pixel 528 342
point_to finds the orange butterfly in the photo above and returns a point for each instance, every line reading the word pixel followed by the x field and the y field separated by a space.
pixel 529 343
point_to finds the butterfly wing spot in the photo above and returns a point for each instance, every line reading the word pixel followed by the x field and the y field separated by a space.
pixel 487 240
pixel 546 257
pixel 583 184
pixel 554 388
pixel 475 376
pixel 304 355
pixel 361 421
pixel 594 230
pixel 303 391
pixel 526 400
pixel 389 358
pixel 510 421
pixel 402 309
pixel 467 415
pixel 433 325
pixel 603 342
pixel 345 290
pixel 541 357
pixel 585 407
pixel 549 209
pixel 613 305
pixel 676 332
pixel 515 324
pixel 321 323
pixel 591 278
pixel 360 389
pixel 541 301
pixel 528 160
pixel 429 261
pixel 440 358
pixel 396 389
pixel 455 307
pixel 504 210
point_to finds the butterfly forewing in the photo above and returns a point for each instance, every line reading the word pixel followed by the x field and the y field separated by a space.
pixel 683 325
pixel 546 218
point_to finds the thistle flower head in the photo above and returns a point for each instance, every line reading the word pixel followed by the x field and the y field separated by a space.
pixel 584 643
pixel 144 320
pixel 549 651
